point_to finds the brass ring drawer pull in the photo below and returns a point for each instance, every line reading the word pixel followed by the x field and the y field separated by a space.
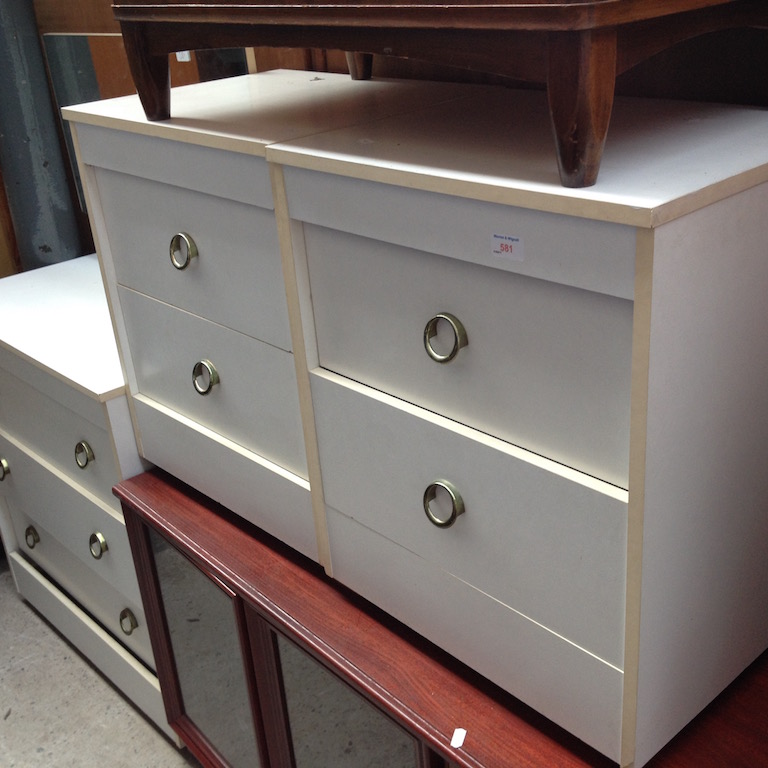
pixel 459 337
pixel 31 536
pixel 98 545
pixel 182 250
pixel 430 496
pixel 84 454
pixel 204 376
pixel 5 468
pixel 128 621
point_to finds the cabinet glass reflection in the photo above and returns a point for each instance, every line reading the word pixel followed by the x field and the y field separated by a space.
pixel 331 725
pixel 204 639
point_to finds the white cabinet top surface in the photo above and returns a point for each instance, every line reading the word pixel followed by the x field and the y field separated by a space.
pixel 247 113
pixel 57 317
pixel 662 159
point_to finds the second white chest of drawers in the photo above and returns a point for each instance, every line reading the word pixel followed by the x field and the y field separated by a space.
pixel 65 439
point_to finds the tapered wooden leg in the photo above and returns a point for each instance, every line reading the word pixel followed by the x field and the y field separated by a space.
pixel 580 83
pixel 360 65
pixel 151 73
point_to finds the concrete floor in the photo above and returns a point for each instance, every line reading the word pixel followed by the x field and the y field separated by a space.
pixel 56 710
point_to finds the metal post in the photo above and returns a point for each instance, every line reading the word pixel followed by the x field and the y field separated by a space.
pixel 30 152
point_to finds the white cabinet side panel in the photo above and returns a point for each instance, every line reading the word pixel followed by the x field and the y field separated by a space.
pixel 705 569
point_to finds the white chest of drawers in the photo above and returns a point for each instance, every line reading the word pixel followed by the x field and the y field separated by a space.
pixel 595 442
pixel 65 439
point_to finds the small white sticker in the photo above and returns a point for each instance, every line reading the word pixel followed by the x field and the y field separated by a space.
pixel 507 247
pixel 183 56
pixel 458 737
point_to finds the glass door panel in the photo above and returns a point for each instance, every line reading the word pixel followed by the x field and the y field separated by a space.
pixel 331 725
pixel 205 643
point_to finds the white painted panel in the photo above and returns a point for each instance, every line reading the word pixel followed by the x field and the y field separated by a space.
pixel 61 390
pixel 705 547
pixel 70 513
pixel 546 367
pixel 566 684
pixel 236 280
pixel 255 404
pixel 231 175
pixel 121 428
pixel 53 431
pixel 130 676
pixel 598 256
pixel 250 486
pixel 550 545
pixel 57 318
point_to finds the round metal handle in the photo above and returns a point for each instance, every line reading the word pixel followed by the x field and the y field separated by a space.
pixel 5 468
pixel 182 250
pixel 459 337
pixel 431 502
pixel 204 376
pixel 128 621
pixel 98 545
pixel 31 536
pixel 84 454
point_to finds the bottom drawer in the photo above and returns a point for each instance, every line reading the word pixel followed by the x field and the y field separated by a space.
pixel 128 674
pixel 98 598
pixel 571 687
pixel 540 538
pixel 263 493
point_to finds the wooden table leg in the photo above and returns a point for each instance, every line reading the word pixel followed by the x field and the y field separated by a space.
pixel 151 73
pixel 580 84
pixel 360 65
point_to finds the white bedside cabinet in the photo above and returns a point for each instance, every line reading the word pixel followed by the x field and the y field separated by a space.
pixel 540 412
pixel 65 439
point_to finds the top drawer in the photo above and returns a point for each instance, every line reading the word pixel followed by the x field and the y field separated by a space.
pixel 546 366
pixel 236 277
pixel 58 429
pixel 598 256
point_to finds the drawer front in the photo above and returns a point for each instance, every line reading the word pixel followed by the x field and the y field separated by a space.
pixel 580 252
pixel 236 278
pixel 70 515
pixel 97 597
pixel 255 403
pixel 133 678
pixel 263 493
pixel 546 366
pixel 569 686
pixel 57 433
pixel 541 539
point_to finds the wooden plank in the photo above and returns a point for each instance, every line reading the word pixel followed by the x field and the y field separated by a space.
pixel 9 257
pixel 111 66
pixel 75 16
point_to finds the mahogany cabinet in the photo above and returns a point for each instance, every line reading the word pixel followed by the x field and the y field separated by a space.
pixel 264 661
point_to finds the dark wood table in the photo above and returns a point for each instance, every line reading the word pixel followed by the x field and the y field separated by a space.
pixel 575 47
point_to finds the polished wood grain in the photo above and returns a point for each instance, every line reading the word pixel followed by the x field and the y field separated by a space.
pixel 414 682
pixel 575 48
